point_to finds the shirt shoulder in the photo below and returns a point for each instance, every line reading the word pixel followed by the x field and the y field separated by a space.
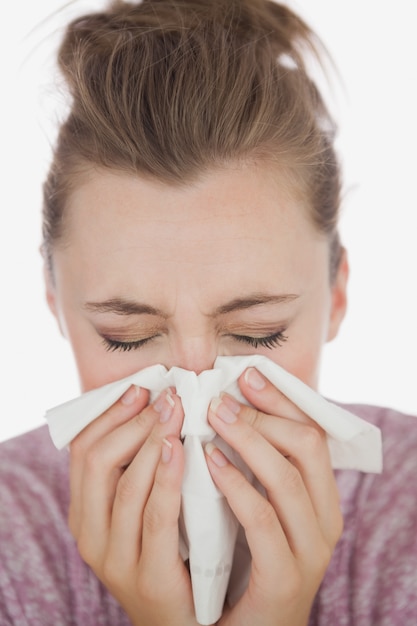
pixel 43 580
pixel 372 579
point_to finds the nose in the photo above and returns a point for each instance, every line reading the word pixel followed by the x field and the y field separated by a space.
pixel 193 353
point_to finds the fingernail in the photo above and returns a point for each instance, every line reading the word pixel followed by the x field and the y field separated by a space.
pixel 130 396
pixel 254 379
pixel 164 405
pixel 166 450
pixel 216 456
pixel 230 402
pixel 221 410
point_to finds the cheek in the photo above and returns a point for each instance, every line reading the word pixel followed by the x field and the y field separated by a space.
pixel 305 359
pixel 301 354
pixel 97 366
pixel 92 370
pixel 307 370
pixel 101 368
pixel 303 363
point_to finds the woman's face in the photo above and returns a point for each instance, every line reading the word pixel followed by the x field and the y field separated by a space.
pixel 230 265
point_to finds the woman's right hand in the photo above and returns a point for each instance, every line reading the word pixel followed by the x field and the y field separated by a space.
pixel 126 474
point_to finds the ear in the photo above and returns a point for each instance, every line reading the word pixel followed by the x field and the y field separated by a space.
pixel 338 297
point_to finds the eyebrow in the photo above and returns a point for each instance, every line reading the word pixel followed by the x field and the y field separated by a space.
pixel 239 304
pixel 122 306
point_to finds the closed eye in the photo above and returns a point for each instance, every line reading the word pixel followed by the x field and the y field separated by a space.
pixel 113 345
pixel 271 341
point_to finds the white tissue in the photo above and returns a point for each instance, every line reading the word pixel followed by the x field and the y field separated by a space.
pixel 208 526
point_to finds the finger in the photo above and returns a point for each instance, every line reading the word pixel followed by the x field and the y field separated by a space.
pixel 267 398
pixel 122 411
pixel 136 484
pixel 131 403
pixel 267 541
pixel 162 573
pixel 281 582
pixel 282 481
pixel 161 515
pixel 306 445
pixel 306 448
pixel 104 467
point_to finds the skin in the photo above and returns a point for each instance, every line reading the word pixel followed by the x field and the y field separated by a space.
pixel 196 270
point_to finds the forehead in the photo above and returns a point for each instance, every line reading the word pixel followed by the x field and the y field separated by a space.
pixel 233 196
pixel 239 220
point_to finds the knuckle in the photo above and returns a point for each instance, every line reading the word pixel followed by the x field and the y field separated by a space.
pixel 93 460
pixel 254 418
pixel 78 447
pixel 311 439
pixel 110 573
pixel 234 481
pixel 322 559
pixel 126 489
pixel 153 519
pixel 84 546
pixel 155 438
pixel 143 419
pixel 248 437
pixel 153 433
pixel 292 480
pixel 326 557
pixel 264 516
pixel 164 485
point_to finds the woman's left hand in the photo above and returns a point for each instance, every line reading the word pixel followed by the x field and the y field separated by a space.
pixel 292 531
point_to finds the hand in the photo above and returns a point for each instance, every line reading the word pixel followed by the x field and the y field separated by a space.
pixel 126 474
pixel 292 531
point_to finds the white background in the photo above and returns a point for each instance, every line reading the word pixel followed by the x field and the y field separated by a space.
pixel 373 360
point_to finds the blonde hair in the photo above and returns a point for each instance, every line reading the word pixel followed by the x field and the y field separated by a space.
pixel 170 88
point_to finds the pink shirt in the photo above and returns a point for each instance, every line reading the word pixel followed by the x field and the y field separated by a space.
pixel 371 580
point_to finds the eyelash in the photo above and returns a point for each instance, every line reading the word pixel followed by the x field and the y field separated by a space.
pixel 112 345
pixel 270 342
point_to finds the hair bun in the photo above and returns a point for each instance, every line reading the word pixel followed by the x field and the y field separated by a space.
pixel 265 21
pixel 169 88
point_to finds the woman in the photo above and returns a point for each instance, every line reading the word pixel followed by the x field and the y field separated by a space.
pixel 190 212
